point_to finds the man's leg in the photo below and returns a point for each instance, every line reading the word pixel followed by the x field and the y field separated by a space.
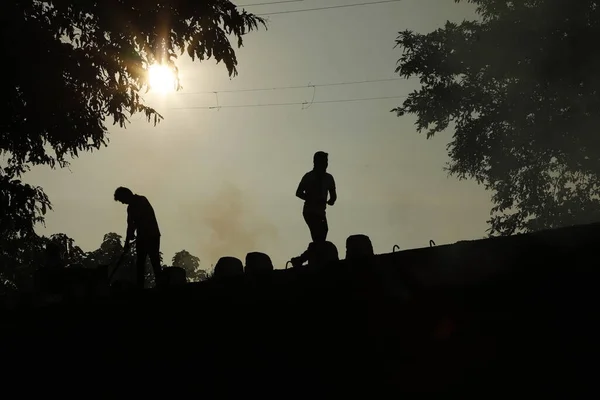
pixel 322 228
pixel 317 223
pixel 154 253
pixel 142 252
pixel 311 222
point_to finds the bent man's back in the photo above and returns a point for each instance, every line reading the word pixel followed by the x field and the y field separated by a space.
pixel 140 211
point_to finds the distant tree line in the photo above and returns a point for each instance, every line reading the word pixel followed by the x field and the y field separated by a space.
pixel 21 257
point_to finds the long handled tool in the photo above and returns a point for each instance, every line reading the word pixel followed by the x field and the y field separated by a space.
pixel 119 261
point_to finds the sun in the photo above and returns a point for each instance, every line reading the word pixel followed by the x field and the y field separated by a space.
pixel 161 78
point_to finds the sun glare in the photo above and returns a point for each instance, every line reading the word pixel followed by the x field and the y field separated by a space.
pixel 161 78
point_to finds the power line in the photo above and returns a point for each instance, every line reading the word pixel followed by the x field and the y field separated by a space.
pixel 329 7
pixel 269 3
pixel 299 103
pixel 310 85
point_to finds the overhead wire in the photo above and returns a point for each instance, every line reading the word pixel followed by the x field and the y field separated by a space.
pixel 298 103
pixel 313 86
pixel 269 3
pixel 305 104
pixel 329 7
pixel 309 85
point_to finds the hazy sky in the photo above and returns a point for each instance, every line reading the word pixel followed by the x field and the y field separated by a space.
pixel 222 182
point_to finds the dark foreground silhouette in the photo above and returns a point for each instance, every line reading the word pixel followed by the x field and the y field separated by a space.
pixel 497 317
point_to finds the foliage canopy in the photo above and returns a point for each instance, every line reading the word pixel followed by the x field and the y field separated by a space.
pixel 75 64
pixel 520 89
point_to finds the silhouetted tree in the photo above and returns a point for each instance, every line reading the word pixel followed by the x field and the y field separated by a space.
pixel 81 62
pixel 19 258
pixel 70 253
pixel 22 205
pixel 109 251
pixel 191 265
pixel 520 89
pixel 7 285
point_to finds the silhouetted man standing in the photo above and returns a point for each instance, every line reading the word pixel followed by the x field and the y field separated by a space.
pixel 313 189
pixel 141 220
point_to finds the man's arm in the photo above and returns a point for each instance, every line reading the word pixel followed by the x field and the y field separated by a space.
pixel 130 230
pixel 332 192
pixel 301 191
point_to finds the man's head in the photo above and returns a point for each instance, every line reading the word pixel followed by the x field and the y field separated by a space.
pixel 123 195
pixel 320 161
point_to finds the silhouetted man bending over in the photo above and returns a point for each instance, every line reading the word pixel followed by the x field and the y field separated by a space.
pixel 141 220
pixel 313 189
